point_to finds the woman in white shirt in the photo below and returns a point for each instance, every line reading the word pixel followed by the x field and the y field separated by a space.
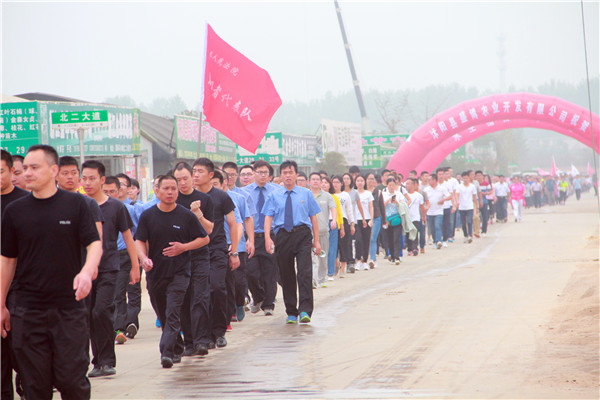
pixel 363 225
pixel 345 242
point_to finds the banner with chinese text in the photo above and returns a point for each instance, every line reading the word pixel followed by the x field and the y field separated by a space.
pixel 19 126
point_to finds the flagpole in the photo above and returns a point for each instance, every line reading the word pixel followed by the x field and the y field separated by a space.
pixel 201 105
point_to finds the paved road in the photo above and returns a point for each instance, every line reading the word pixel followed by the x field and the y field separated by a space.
pixel 468 321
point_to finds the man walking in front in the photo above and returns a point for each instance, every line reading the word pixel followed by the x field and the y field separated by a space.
pixel 42 238
pixel 292 211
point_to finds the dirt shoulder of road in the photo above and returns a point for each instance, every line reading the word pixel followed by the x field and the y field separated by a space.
pixel 572 333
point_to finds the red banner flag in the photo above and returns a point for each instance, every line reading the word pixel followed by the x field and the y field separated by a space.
pixel 239 96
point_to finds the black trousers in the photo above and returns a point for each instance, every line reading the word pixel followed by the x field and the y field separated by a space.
pixel 7 368
pixel 485 216
pixel 395 240
pixel 167 295
pixel 448 224
pixel 237 286
pixel 102 310
pixel 345 244
pixel 289 247
pixel 128 298
pixel 363 241
pixel 262 275
pixel 219 264
pixel 51 350
pixel 413 245
pixel 195 311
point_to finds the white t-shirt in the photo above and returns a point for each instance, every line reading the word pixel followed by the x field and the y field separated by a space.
pixel 346 204
pixel 365 198
pixel 435 196
pixel 501 189
pixel 451 185
pixel 416 199
pixel 465 196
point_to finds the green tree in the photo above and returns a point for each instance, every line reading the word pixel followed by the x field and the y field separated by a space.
pixel 334 163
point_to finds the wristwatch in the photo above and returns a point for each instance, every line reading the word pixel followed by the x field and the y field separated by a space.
pixel 234 254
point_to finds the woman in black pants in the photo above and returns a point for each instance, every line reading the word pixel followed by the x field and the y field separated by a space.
pixel 363 226
pixel 345 241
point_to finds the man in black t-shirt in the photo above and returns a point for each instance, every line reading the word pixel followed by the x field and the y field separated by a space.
pixel 42 236
pixel 195 314
pixel 10 193
pixel 68 179
pixel 220 257
pixel 101 301
pixel 165 236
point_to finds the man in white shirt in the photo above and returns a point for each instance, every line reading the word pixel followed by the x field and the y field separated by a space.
pixel 449 205
pixel 467 198
pixel 417 216
pixel 501 190
pixel 436 195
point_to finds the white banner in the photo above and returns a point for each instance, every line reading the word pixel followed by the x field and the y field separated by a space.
pixel 344 138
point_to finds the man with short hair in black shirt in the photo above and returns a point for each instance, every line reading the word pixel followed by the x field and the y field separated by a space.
pixel 101 301
pixel 10 193
pixel 166 234
pixel 68 179
pixel 18 179
pixel 195 314
pixel 220 257
pixel 42 236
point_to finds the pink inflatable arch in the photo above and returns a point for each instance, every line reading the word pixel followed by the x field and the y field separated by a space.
pixel 474 116
pixel 431 161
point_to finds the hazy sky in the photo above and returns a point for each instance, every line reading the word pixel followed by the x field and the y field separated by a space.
pixel 146 49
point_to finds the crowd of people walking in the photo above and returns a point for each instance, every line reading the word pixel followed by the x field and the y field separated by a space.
pixel 214 245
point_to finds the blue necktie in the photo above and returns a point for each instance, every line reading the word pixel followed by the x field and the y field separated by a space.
pixel 288 217
pixel 261 203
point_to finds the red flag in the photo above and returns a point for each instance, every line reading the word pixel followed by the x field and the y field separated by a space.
pixel 239 96
pixel 553 172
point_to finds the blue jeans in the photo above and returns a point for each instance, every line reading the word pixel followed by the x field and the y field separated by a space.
pixel 435 227
pixel 466 217
pixel 374 234
pixel 333 250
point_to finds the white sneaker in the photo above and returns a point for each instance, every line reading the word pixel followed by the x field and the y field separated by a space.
pixel 371 264
pixel 330 278
pixel 438 245
pixel 445 244
pixel 374 264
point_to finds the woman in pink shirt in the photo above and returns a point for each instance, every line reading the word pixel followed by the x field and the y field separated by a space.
pixel 517 191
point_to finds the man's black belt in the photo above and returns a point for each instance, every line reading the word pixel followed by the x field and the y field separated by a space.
pixel 261 234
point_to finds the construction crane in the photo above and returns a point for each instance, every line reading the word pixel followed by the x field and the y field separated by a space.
pixel 361 105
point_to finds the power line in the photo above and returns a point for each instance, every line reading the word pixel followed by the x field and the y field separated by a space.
pixel 587 74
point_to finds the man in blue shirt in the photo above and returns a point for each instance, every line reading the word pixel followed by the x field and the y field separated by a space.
pixel 262 269
pixel 292 211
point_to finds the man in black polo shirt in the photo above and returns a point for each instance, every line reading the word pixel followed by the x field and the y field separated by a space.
pixel 220 258
pixel 195 314
pixel 42 237
pixel 10 193
pixel 101 301
pixel 165 236
pixel 68 179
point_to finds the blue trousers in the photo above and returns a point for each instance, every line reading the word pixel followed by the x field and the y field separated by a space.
pixel 435 227
pixel 374 235
pixel 333 250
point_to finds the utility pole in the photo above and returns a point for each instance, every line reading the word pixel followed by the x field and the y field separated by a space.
pixel 361 105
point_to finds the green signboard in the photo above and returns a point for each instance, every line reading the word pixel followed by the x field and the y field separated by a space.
pixel 213 145
pixel 87 119
pixel 120 136
pixel 186 136
pixel 371 156
pixel 19 126
pixel 268 150
pixel 391 140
